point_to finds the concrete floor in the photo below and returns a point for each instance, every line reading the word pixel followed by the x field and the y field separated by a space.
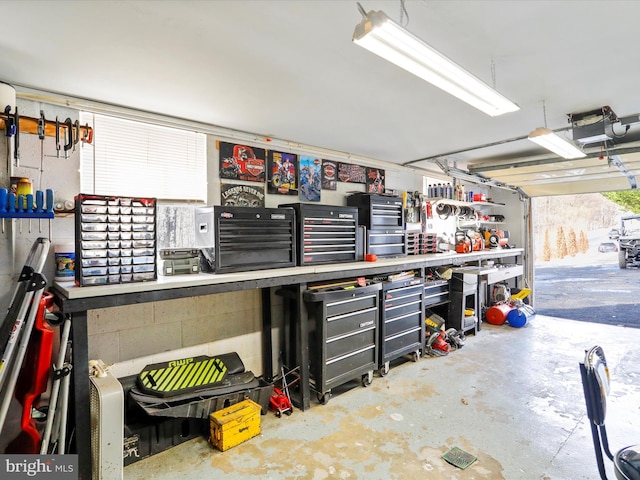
pixel 511 397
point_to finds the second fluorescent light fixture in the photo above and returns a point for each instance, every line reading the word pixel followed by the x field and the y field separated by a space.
pixel 382 36
pixel 558 145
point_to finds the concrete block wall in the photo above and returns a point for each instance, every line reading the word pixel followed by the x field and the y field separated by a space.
pixel 133 336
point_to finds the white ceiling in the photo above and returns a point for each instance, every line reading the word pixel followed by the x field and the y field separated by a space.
pixel 288 70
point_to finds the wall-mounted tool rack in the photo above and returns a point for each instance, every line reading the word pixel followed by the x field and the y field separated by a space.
pixel 37 126
pixel 28 206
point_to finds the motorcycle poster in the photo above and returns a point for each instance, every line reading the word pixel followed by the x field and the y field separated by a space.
pixel 282 173
pixel 375 180
pixel 310 178
pixel 242 162
pixel 351 173
pixel 234 195
pixel 329 175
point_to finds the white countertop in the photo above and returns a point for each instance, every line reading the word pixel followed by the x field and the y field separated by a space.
pixel 70 291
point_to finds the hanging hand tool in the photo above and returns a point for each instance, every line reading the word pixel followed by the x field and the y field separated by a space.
pixel 68 137
pixel 41 135
pixel 3 204
pixel 57 138
pixel 9 127
pixel 76 134
pixel 16 138
pixel 88 134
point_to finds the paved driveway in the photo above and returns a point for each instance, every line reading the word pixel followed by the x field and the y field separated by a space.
pixel 601 293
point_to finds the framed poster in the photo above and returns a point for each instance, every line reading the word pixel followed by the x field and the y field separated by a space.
pixel 310 178
pixel 348 172
pixel 375 180
pixel 329 175
pixel 282 173
pixel 242 162
pixel 234 195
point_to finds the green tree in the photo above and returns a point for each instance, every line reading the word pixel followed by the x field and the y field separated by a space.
pixel 628 199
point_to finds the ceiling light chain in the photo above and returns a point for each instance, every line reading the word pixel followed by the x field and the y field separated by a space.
pixel 544 113
pixel 403 12
pixel 493 72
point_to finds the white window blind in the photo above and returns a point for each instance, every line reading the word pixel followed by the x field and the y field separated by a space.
pixel 138 159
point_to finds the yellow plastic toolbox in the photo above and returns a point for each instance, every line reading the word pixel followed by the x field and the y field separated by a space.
pixel 235 424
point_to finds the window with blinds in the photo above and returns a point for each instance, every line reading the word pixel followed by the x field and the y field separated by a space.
pixel 129 158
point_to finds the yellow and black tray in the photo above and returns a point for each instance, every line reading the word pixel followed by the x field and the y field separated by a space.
pixel 188 375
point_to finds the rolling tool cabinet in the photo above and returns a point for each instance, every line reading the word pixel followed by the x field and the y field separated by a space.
pixel 326 234
pixel 401 321
pixel 343 336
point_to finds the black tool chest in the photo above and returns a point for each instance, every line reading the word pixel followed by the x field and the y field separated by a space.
pixel 402 327
pixel 387 243
pixel 254 238
pixel 343 336
pixel 115 239
pixel 326 234
pixel 383 217
pixel 378 211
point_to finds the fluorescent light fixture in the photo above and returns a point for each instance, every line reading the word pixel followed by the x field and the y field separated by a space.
pixel 558 145
pixel 382 36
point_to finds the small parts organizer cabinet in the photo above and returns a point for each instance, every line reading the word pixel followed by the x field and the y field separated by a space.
pixel 326 234
pixel 343 336
pixel 402 321
pixel 383 217
pixel 115 240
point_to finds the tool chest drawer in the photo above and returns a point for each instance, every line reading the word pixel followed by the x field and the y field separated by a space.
pixel 387 243
pixel 343 335
pixel 435 292
pixel 378 211
pixel 253 238
pixel 349 322
pixel 115 239
pixel 326 234
pixel 352 304
pixel 402 320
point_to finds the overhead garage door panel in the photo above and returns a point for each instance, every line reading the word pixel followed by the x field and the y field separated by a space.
pixel 587 175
